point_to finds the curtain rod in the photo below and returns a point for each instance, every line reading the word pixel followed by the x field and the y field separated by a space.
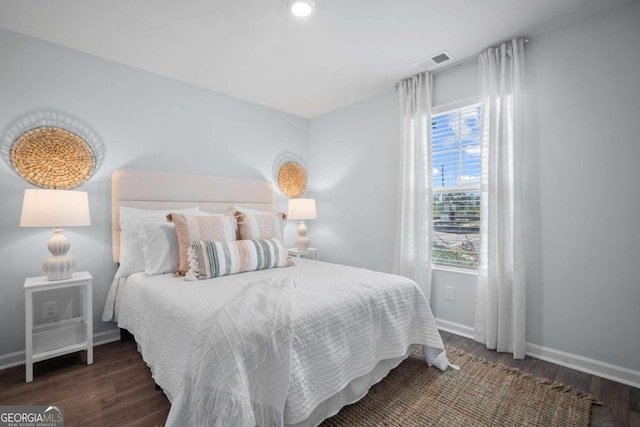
pixel 460 63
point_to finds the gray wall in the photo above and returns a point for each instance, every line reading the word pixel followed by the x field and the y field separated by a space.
pixel 144 121
pixel 581 191
pixel 582 188
pixel 353 162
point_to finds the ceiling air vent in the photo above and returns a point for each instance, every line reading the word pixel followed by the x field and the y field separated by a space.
pixel 434 61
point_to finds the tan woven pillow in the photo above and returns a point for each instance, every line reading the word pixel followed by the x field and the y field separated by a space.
pixel 191 228
pixel 260 226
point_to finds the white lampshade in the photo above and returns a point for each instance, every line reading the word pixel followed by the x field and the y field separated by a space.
pixel 302 209
pixel 54 208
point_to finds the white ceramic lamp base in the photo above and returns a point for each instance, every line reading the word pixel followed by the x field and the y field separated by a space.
pixel 302 242
pixel 59 265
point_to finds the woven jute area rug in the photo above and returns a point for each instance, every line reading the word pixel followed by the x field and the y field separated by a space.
pixel 479 394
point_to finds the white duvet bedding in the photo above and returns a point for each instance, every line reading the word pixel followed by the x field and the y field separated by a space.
pixel 346 321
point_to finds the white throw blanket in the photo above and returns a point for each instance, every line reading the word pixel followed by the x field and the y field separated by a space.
pixel 237 371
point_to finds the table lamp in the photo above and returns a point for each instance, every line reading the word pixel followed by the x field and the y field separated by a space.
pixel 302 209
pixel 56 208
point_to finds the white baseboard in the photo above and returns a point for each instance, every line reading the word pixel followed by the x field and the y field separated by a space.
pixel 455 328
pixel 585 364
pixel 106 337
pixel 11 359
pixel 17 358
pixel 579 363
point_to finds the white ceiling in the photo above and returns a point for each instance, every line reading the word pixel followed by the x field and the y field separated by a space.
pixel 257 51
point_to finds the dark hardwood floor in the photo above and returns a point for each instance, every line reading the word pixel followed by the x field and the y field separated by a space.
pixel 117 390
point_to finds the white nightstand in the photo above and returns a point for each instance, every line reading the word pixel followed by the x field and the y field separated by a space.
pixel 59 337
pixel 311 253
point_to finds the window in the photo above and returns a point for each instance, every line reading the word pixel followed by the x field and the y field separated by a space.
pixel 455 174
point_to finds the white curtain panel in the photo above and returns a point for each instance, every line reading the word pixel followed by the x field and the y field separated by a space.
pixel 412 257
pixel 500 298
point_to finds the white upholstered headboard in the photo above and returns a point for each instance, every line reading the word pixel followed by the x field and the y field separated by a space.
pixel 149 189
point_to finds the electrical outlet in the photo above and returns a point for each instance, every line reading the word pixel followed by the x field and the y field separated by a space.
pixel 50 310
pixel 449 293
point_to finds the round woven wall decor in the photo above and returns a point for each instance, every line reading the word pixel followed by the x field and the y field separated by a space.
pixel 290 172
pixel 52 157
pixel 292 179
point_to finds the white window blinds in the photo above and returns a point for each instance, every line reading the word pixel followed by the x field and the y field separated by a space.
pixel 455 175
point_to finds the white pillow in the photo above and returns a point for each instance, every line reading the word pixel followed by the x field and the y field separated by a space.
pixel 159 247
pixel 131 254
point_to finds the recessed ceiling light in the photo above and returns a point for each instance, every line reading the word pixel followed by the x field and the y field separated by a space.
pixel 302 8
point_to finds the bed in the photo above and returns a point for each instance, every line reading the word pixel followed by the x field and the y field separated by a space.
pixel 348 327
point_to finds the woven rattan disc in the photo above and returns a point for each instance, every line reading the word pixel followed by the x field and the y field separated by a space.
pixel 292 179
pixel 51 157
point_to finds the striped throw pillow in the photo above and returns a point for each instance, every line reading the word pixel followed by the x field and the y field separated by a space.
pixel 260 226
pixel 220 258
pixel 190 228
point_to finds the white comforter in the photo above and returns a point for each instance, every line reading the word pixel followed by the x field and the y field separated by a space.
pixel 345 321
